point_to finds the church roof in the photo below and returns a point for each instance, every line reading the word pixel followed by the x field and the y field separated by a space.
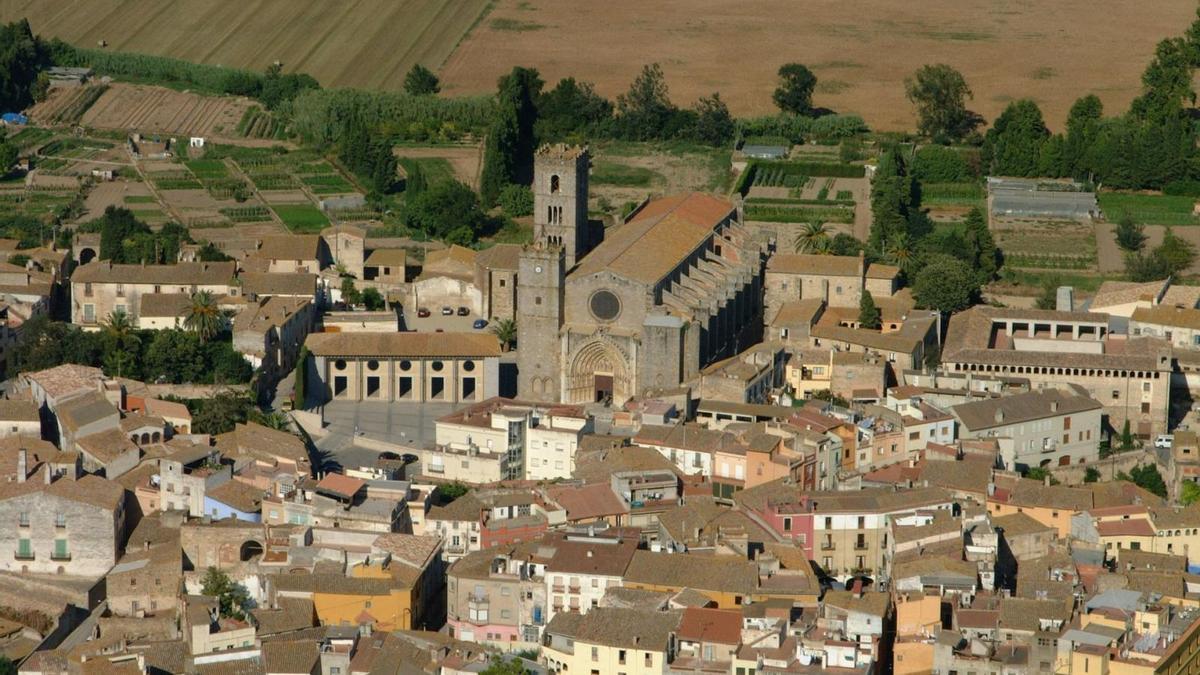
pixel 658 237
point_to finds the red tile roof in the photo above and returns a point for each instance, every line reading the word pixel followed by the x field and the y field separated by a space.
pixel 1124 528
pixel 341 485
pixel 701 624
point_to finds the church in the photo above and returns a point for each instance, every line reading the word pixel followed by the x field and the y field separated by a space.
pixel 644 307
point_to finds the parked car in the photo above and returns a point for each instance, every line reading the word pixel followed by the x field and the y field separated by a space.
pixel 1164 441
pixel 463 311
pixel 422 312
pixel 447 311
pixel 479 324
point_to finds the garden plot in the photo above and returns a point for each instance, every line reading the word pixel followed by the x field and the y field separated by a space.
pixel 1045 245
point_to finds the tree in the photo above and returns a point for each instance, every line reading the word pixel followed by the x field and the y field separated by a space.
pixel 645 112
pixel 372 298
pixel 204 317
pixel 22 56
pixel 1013 146
pixel 795 90
pixel 868 314
pixel 980 246
pixel 516 201
pixel 210 253
pixel 714 125
pixel 1131 235
pixel 220 413
pixel 1040 473
pixel 1141 267
pixel 123 346
pixel 940 94
pixel 448 492
pixel 8 158
pixel 1176 253
pixel 1126 437
pixel 350 292
pixel 233 599
pixel 830 397
pixel 420 81
pixel 845 244
pixel 174 356
pixel 1148 478
pixel 1083 127
pixel 572 107
pixel 946 284
pixel 1048 299
pixel 1091 475
pixel 508 153
pixel 300 381
pixel 1189 493
pixel 505 666
pixel 448 210
pixel 808 237
pixel 505 331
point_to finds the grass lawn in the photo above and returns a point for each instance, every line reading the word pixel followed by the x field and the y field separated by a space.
pixel 301 218
pixel 435 169
pixel 952 193
pixel 1148 209
pixel 622 175
pixel 140 199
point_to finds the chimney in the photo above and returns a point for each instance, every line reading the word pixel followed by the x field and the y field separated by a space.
pixel 1054 406
pixel 999 415
pixel 47 474
pixel 22 464
pixel 857 588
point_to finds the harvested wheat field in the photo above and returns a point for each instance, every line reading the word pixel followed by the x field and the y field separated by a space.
pixel 1051 50
pixel 348 43
pixel 166 111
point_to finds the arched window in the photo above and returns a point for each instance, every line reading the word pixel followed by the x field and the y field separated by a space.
pixel 553 184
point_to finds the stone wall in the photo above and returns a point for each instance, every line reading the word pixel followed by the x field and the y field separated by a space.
pixel 1108 467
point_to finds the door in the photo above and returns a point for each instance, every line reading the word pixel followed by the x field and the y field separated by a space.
pixel 603 385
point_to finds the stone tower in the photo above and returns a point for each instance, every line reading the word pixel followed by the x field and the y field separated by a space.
pixel 560 199
pixel 541 274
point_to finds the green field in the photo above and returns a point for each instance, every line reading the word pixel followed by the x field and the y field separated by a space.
pixel 140 199
pixel 301 218
pixel 1148 209
pixel 326 184
pixel 622 175
pixel 208 168
pixel 435 169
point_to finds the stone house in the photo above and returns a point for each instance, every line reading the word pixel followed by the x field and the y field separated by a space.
pixel 19 418
pixel 347 246
pixel 1051 427
pixel 496 279
pixel 269 333
pixel 59 523
pixel 290 254
pixel 100 288
pixel 386 267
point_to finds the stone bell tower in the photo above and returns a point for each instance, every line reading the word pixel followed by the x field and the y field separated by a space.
pixel 560 199
pixel 541 276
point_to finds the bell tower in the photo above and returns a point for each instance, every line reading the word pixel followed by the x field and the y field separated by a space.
pixel 560 199
pixel 541 276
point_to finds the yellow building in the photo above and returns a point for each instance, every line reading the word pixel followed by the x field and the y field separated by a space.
pixel 610 640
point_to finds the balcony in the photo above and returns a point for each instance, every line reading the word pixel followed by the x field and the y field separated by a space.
pixel 860 546
pixel 23 555
pixel 60 557
pixel 559 588
pixel 827 546
pixel 573 588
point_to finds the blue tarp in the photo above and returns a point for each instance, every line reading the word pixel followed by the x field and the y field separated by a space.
pixel 14 118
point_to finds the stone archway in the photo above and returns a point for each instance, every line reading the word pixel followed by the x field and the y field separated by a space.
pixel 250 550
pixel 600 371
pixel 86 255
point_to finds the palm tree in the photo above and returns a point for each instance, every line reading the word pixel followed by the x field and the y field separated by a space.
pixel 506 331
pixel 808 238
pixel 204 317
pixel 124 343
pixel 899 252
pixel 823 246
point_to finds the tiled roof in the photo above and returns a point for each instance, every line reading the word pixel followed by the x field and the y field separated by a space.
pixel 179 274
pixel 17 410
pixel 341 485
pixel 66 379
pixel 106 445
pixel 479 345
pixel 875 604
pixel 286 283
pixel 241 496
pixel 91 490
pixel 798 313
pixel 618 627
pixel 290 657
pixel 1022 408
pixel 499 257
pixel 290 247
pixel 657 238
pixel 1112 293
pixel 816 265
pixel 1125 528
pixel 387 257
pixel 1017 524
pixel 164 305
pixel 86 409
pixel 720 626
pixel 727 574
pixel 588 502
pixel 1165 315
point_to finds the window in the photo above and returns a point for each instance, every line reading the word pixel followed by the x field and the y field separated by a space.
pixel 24 549
pixel 23 519
pixel 828 523
pixel 1066 424
pixel 1145 408
pixel 787 524
pixel 89 313
pixel 595 653
pixel 621 657
pixel 862 522
pixel 1116 394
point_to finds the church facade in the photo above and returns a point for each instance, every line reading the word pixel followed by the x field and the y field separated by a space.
pixel 677 286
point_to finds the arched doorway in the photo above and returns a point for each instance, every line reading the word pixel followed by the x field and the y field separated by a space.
pixel 86 255
pixel 250 550
pixel 599 373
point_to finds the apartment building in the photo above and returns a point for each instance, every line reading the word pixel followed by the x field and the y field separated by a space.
pixel 100 288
